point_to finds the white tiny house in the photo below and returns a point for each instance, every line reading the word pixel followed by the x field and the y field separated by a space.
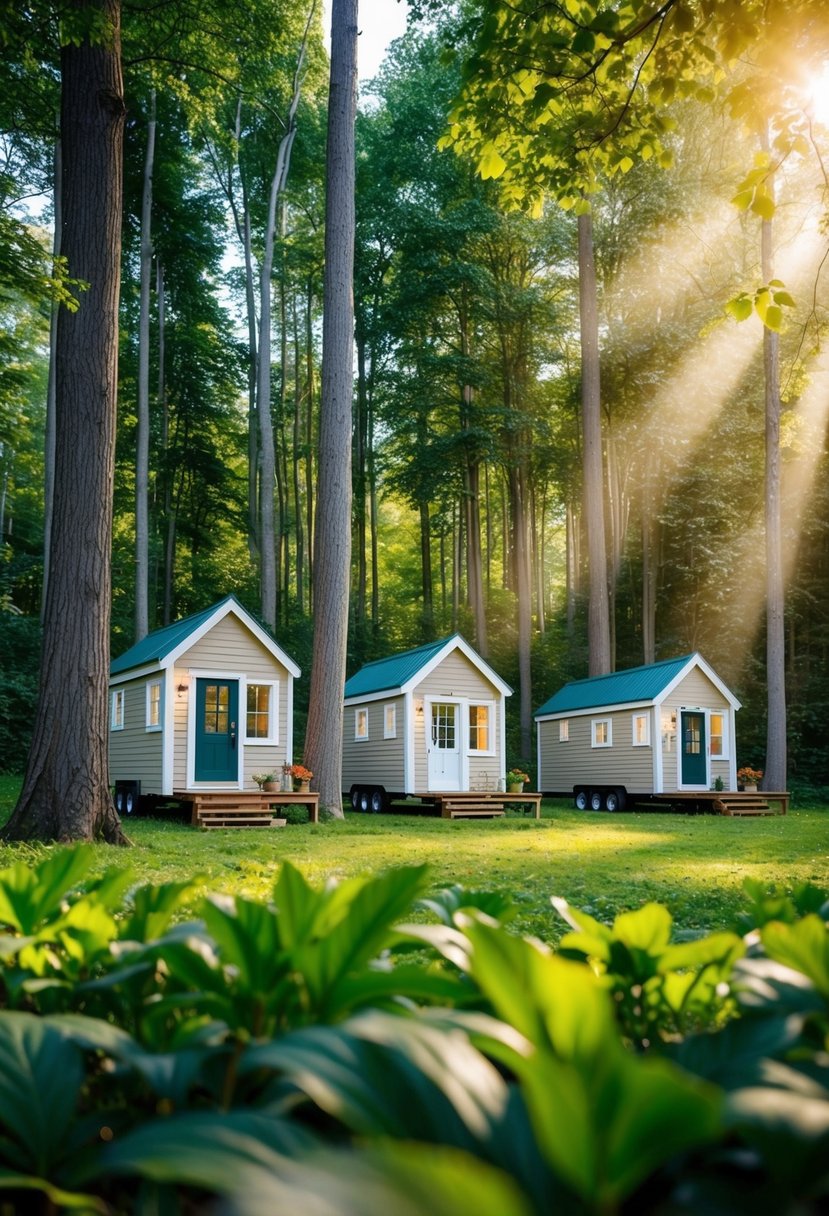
pixel 664 728
pixel 200 705
pixel 426 721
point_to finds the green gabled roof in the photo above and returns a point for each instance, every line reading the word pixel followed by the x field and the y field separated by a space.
pixel 157 645
pixel 618 688
pixel 394 671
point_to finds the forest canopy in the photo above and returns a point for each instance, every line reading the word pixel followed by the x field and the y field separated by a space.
pixel 488 133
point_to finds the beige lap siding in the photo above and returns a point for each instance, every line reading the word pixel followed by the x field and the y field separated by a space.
pixel 375 760
pixel 135 752
pixel 457 677
pixel 575 761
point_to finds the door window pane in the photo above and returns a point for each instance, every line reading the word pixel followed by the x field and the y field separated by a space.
pixel 216 698
pixel 443 726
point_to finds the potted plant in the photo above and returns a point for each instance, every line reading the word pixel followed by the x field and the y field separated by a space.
pixel 302 778
pixel 515 780
pixel 265 781
pixel 748 777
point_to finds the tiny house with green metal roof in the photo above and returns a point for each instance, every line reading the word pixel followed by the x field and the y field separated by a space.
pixel 665 728
pixel 423 722
pixel 200 705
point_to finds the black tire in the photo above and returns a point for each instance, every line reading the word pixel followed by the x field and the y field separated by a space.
pixel 355 798
pixel 581 800
pixel 611 801
pixel 365 801
pixel 377 801
pixel 596 800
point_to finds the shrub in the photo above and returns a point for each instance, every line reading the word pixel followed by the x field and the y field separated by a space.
pixel 290 1055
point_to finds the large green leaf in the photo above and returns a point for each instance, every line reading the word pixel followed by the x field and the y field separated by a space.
pixel 804 946
pixel 59 1198
pixel 30 894
pixel 379 1074
pixel 40 1079
pixel 152 908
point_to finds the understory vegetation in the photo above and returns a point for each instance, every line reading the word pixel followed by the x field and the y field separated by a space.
pixel 380 1045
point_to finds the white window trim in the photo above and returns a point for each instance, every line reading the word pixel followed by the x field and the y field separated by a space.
pixel 389 711
pixel 564 730
pixel 360 712
pixel 118 699
pixel 725 754
pixel 594 722
pixel 482 751
pixel 272 736
pixel 148 725
pixel 646 742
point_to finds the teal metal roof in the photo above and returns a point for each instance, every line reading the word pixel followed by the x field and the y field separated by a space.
pixel 618 688
pixel 157 645
pixel 394 671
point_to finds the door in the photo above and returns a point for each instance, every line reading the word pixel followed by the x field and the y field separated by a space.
pixel 217 719
pixel 444 746
pixel 694 759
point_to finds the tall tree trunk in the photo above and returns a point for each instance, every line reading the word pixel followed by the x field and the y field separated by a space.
pixel 598 618
pixel 49 439
pixel 361 487
pixel 472 501
pixel 142 443
pixel 332 547
pixel 65 794
pixel 299 526
pixel 775 771
pixel 648 567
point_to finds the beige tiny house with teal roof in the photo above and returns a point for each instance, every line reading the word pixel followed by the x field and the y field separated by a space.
pixel 201 705
pixel 422 722
pixel 665 728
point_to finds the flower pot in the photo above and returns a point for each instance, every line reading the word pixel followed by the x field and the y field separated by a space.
pixel 750 789
pixel 302 787
pixel 270 787
pixel 515 787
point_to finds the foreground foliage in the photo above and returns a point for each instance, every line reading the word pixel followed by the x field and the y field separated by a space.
pixel 321 1050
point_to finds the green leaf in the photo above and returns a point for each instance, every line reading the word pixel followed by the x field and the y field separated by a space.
pixel 153 908
pixel 40 1080
pixel 741 307
pixel 803 946
pixel 773 318
pixel 59 1199
pixel 763 204
pixel 491 164
pixel 30 894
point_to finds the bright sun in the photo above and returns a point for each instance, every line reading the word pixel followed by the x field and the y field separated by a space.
pixel 820 97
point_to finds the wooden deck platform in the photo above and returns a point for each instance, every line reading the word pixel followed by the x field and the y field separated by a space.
pixel 244 808
pixel 480 804
pixel 727 802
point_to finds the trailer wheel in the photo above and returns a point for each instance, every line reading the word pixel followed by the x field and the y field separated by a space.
pixel 580 799
pixel 355 798
pixel 365 801
pixel 611 801
pixel 377 801
pixel 596 800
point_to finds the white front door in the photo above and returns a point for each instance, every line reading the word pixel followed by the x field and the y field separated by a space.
pixel 443 745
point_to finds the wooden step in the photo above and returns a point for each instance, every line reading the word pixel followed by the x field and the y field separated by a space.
pixel 456 809
pixel 743 804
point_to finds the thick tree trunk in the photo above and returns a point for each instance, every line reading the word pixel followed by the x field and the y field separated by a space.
pixel 49 438
pixel 332 548
pixel 142 440
pixel 775 770
pixel 65 793
pixel 598 617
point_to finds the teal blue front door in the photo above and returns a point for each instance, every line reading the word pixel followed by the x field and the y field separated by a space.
pixel 694 763
pixel 217 721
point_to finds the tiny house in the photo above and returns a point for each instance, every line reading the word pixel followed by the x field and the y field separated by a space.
pixel 665 728
pixel 200 705
pixel 426 721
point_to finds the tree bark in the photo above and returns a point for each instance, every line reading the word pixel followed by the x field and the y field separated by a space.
pixel 332 540
pixel 65 793
pixel 142 442
pixel 49 438
pixel 598 617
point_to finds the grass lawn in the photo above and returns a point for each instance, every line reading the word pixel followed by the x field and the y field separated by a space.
pixel 603 863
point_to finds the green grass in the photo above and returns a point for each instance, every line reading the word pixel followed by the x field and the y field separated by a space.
pixel 695 864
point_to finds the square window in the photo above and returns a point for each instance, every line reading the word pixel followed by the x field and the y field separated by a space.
pixel 153 720
pixel 389 721
pixel 361 724
pixel 602 732
pixel 116 719
pixel 564 730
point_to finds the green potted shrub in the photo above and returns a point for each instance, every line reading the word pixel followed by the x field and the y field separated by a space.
pixel 265 781
pixel 515 780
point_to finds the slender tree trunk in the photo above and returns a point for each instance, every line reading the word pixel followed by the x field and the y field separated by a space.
pixel 361 487
pixel 142 454
pixel 775 770
pixel 65 794
pixel 49 443
pixel 309 436
pixel 332 547
pixel 598 618
pixel 298 443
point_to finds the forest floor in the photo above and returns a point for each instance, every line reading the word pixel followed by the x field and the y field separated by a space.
pixel 604 864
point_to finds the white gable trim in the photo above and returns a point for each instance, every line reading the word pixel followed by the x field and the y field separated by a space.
pixel 247 620
pixel 457 643
pixel 696 660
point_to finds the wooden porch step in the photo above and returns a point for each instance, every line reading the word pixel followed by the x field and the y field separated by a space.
pixel 743 804
pixel 451 808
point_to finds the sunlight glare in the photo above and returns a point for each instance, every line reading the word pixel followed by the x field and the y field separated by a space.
pixel 819 93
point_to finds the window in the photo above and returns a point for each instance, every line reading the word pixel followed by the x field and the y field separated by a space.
pixel 260 713
pixel 717 733
pixel 601 732
pixel 361 724
pixel 564 730
pixel 116 720
pixel 480 728
pixel 641 730
pixel 389 721
pixel 153 720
